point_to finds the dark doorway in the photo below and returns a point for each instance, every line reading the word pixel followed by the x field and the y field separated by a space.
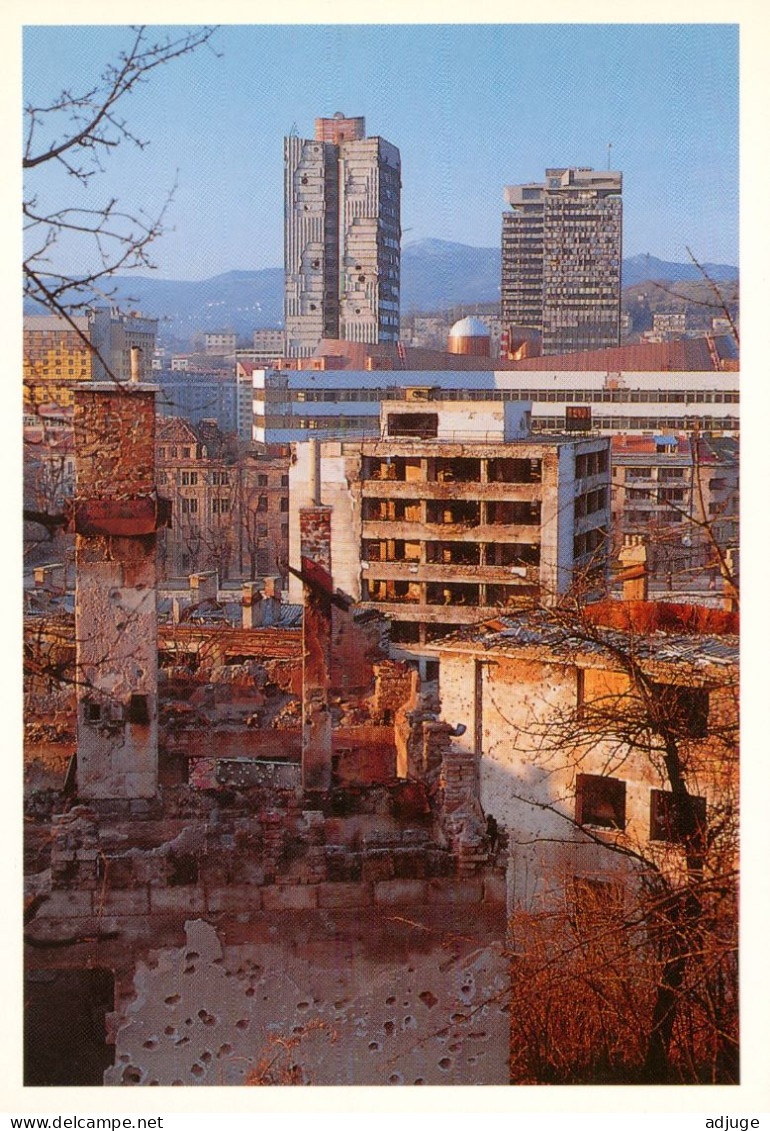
pixel 64 1027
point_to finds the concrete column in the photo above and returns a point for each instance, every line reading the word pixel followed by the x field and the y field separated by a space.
pixel 315 549
pixel 116 627
pixel 204 586
pixel 251 605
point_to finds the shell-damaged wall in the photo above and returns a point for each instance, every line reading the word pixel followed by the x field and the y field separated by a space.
pixel 386 1003
pixel 115 605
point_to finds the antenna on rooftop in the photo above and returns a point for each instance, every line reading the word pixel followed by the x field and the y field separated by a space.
pixel 293 132
pixel 609 151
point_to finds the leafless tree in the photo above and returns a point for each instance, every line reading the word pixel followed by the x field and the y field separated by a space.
pixel 77 132
pixel 635 977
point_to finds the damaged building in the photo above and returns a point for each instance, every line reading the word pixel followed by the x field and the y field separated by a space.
pixel 194 907
pixel 342 236
pixel 566 718
pixel 457 511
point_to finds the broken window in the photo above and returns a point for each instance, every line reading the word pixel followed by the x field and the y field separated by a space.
pixel 459 512
pixel 138 711
pixel 515 471
pixel 686 707
pixel 511 596
pixel 405 632
pixel 452 553
pixel 458 470
pixel 423 425
pixel 445 593
pixel 668 824
pixel 438 631
pixel 92 711
pixel 520 554
pixel 600 801
pixel 513 513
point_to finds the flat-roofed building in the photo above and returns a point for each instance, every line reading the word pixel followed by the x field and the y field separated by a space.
pixel 561 259
pixel 328 403
pixel 56 356
pixel 456 512
pixel 342 236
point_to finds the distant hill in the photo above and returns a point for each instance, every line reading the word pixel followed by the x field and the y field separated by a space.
pixel 641 268
pixel 435 274
pixel 241 300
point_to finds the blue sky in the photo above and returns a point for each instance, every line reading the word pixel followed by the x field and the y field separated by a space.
pixel 472 108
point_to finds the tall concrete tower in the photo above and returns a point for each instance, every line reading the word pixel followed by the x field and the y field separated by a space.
pixel 342 236
pixel 561 259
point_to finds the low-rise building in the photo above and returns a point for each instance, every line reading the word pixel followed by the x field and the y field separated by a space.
pixel 575 725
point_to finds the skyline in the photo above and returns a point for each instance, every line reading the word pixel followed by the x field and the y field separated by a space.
pixel 569 91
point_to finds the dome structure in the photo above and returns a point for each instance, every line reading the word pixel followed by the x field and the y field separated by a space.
pixel 470 336
pixel 470 327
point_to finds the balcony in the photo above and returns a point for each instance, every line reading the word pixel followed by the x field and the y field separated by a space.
pixel 470 491
pixel 438 572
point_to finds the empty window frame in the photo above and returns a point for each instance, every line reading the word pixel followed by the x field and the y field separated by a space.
pixel 600 801
pixel 676 824
pixel 138 710
pixel 687 707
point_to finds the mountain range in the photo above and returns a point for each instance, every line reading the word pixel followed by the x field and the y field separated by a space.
pixel 435 274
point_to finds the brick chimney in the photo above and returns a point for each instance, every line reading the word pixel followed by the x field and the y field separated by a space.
pixel 116 518
pixel 633 575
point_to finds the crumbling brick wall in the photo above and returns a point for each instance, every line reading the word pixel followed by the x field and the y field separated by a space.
pixel 395 685
pixel 115 443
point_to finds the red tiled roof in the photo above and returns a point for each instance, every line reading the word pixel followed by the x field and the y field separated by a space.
pixel 686 355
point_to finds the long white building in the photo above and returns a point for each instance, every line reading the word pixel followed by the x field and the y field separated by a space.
pixel 343 404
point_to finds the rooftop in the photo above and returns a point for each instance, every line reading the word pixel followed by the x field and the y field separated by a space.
pixel 693 636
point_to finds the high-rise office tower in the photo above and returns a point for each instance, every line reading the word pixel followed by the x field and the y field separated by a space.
pixel 561 259
pixel 342 236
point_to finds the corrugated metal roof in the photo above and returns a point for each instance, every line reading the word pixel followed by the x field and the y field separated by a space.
pixel 543 629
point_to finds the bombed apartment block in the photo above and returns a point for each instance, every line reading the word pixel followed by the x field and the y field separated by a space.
pixel 457 512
